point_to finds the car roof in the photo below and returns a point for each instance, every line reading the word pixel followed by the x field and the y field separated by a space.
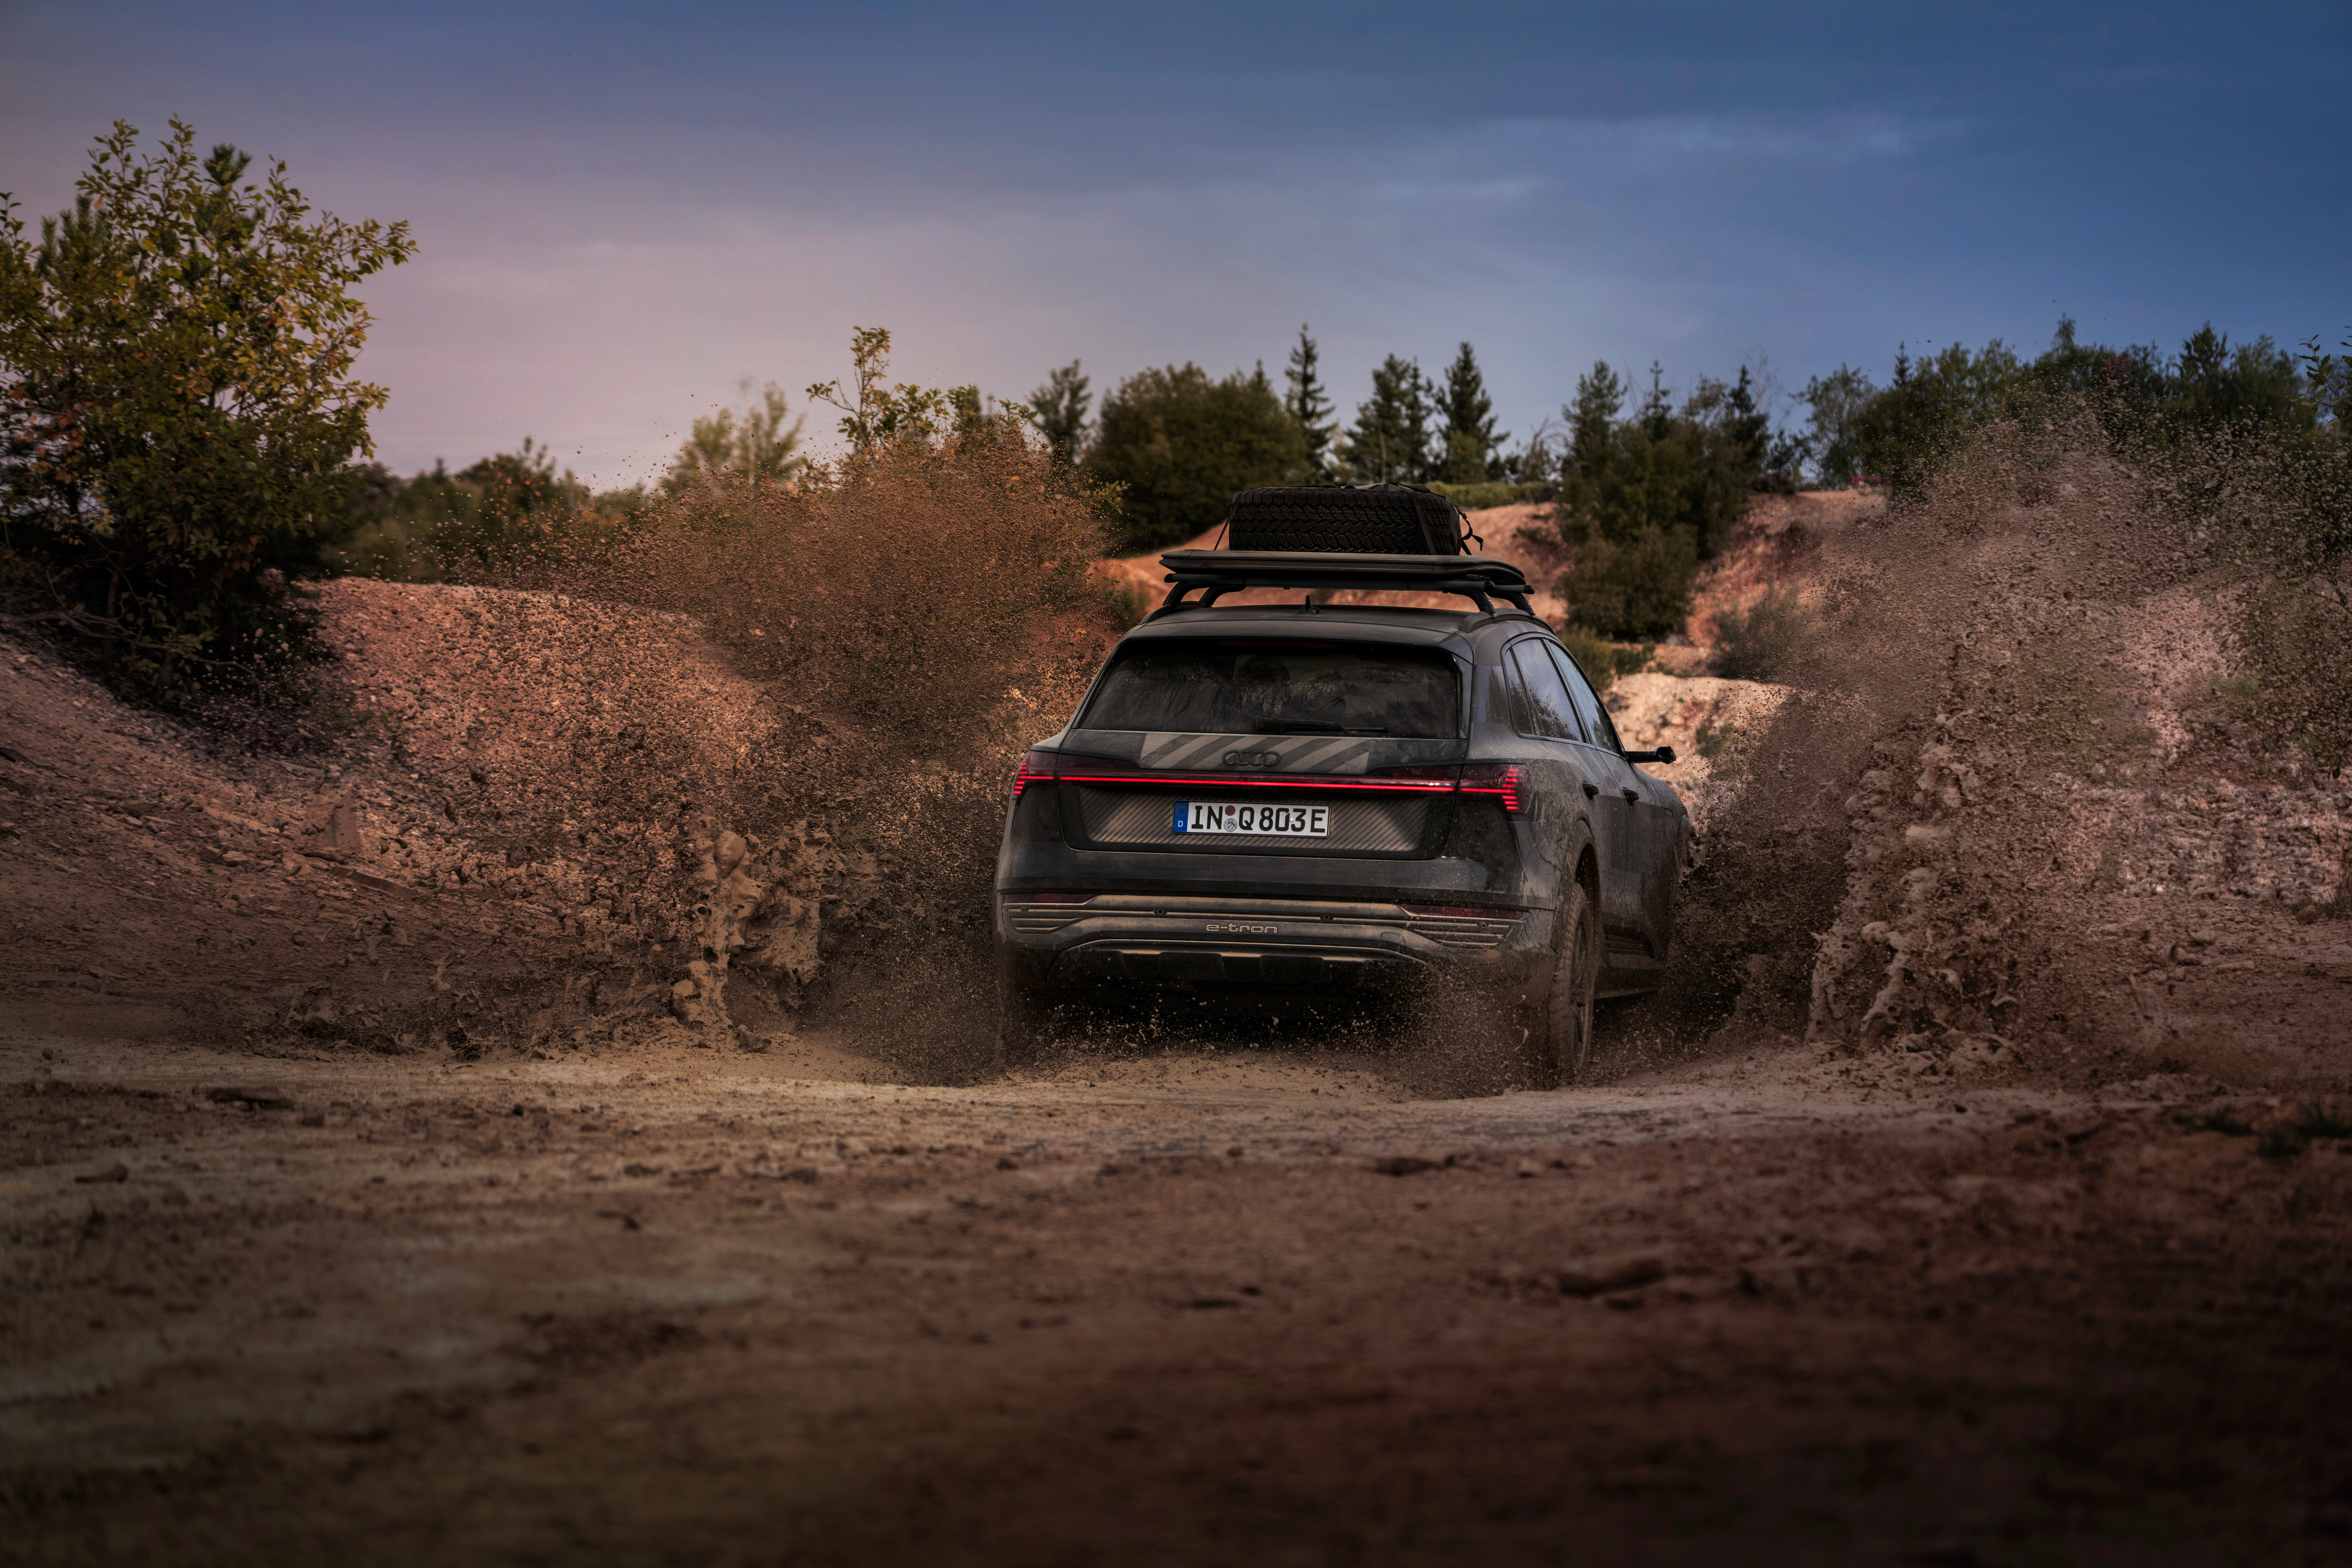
pixel 1371 623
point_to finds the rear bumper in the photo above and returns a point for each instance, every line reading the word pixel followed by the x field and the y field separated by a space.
pixel 1298 946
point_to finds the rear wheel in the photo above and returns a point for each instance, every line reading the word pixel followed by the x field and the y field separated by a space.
pixel 1576 976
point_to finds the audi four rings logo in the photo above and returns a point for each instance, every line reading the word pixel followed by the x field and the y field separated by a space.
pixel 1253 758
pixel 1237 930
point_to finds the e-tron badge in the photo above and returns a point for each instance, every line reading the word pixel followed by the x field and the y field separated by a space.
pixel 1253 758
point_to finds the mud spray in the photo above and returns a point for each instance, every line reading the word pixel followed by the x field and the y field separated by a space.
pixel 2018 691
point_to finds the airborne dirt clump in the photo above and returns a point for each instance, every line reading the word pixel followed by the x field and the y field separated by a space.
pixel 544 1125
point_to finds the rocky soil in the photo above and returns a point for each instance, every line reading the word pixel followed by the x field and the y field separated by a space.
pixel 382 1179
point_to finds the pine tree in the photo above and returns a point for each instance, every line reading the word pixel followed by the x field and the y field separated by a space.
pixel 1390 441
pixel 1061 407
pixel 1592 418
pixel 1308 404
pixel 1472 445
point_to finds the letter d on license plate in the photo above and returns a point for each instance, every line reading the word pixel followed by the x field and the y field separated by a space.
pixel 1233 817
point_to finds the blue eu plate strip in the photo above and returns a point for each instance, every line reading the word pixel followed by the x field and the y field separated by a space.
pixel 1179 814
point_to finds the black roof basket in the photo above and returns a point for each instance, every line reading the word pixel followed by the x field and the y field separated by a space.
pixel 1351 520
pixel 1478 578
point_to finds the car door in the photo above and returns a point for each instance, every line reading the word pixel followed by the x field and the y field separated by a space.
pixel 1652 819
pixel 1551 717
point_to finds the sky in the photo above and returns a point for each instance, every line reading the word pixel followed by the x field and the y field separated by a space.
pixel 624 211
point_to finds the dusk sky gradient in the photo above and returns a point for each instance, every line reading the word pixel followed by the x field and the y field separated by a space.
pixel 621 210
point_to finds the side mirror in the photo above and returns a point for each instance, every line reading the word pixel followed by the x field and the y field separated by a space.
pixel 1663 754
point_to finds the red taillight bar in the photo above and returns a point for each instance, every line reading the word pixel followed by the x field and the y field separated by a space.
pixel 1034 765
pixel 1500 779
pixel 1261 781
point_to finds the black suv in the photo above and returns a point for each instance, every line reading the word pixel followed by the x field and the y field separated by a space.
pixel 1264 805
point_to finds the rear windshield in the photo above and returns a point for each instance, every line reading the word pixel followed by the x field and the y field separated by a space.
pixel 1280 688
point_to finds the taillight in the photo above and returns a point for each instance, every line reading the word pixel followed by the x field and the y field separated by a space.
pixel 1458 912
pixel 1500 779
pixel 1050 897
pixel 1426 775
pixel 1035 765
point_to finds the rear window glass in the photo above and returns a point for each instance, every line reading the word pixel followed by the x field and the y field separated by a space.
pixel 1280 688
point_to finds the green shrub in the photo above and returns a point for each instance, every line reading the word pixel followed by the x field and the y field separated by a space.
pixel 1603 660
pixel 1495 493
pixel 1768 640
pixel 1724 750
pixel 1638 588
pixel 177 406
pixel 1179 444
pixel 1125 604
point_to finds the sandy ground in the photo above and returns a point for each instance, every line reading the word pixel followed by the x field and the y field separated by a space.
pixel 359 1205
pixel 1189 1306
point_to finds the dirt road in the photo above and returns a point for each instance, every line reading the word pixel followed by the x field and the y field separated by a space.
pixel 1182 1305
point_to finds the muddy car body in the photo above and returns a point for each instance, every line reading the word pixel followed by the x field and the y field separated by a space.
pixel 1310 804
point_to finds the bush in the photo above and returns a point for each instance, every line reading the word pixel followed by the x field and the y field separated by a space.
pixel 1179 446
pixel 899 596
pixel 2139 400
pixel 1603 660
pixel 481 524
pixel 1641 589
pixel 176 408
pixel 1768 640
pixel 1496 492
pixel 916 615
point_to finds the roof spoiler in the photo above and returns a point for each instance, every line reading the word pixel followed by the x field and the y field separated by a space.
pixel 1478 578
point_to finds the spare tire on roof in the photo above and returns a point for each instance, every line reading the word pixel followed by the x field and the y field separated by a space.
pixel 1372 520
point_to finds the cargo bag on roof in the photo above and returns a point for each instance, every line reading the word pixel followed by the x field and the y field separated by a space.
pixel 1370 519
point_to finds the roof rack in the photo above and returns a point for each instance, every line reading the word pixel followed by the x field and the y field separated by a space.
pixel 1478 578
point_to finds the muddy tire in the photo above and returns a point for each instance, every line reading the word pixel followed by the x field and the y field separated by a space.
pixel 1025 1022
pixel 1561 1051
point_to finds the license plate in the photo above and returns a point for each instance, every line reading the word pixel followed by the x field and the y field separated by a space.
pixel 1229 817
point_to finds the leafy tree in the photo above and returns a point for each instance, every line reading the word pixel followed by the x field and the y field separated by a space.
pixel 1836 400
pixel 2213 385
pixel 752 447
pixel 1390 441
pixel 1905 432
pixel 873 413
pixel 470 526
pixel 1309 405
pixel 176 404
pixel 2328 381
pixel 1061 405
pixel 1639 587
pixel 1181 445
pixel 1473 446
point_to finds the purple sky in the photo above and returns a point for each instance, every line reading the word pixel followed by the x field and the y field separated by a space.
pixel 622 212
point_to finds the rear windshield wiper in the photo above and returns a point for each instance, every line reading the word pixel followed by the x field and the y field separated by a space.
pixel 1313 726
